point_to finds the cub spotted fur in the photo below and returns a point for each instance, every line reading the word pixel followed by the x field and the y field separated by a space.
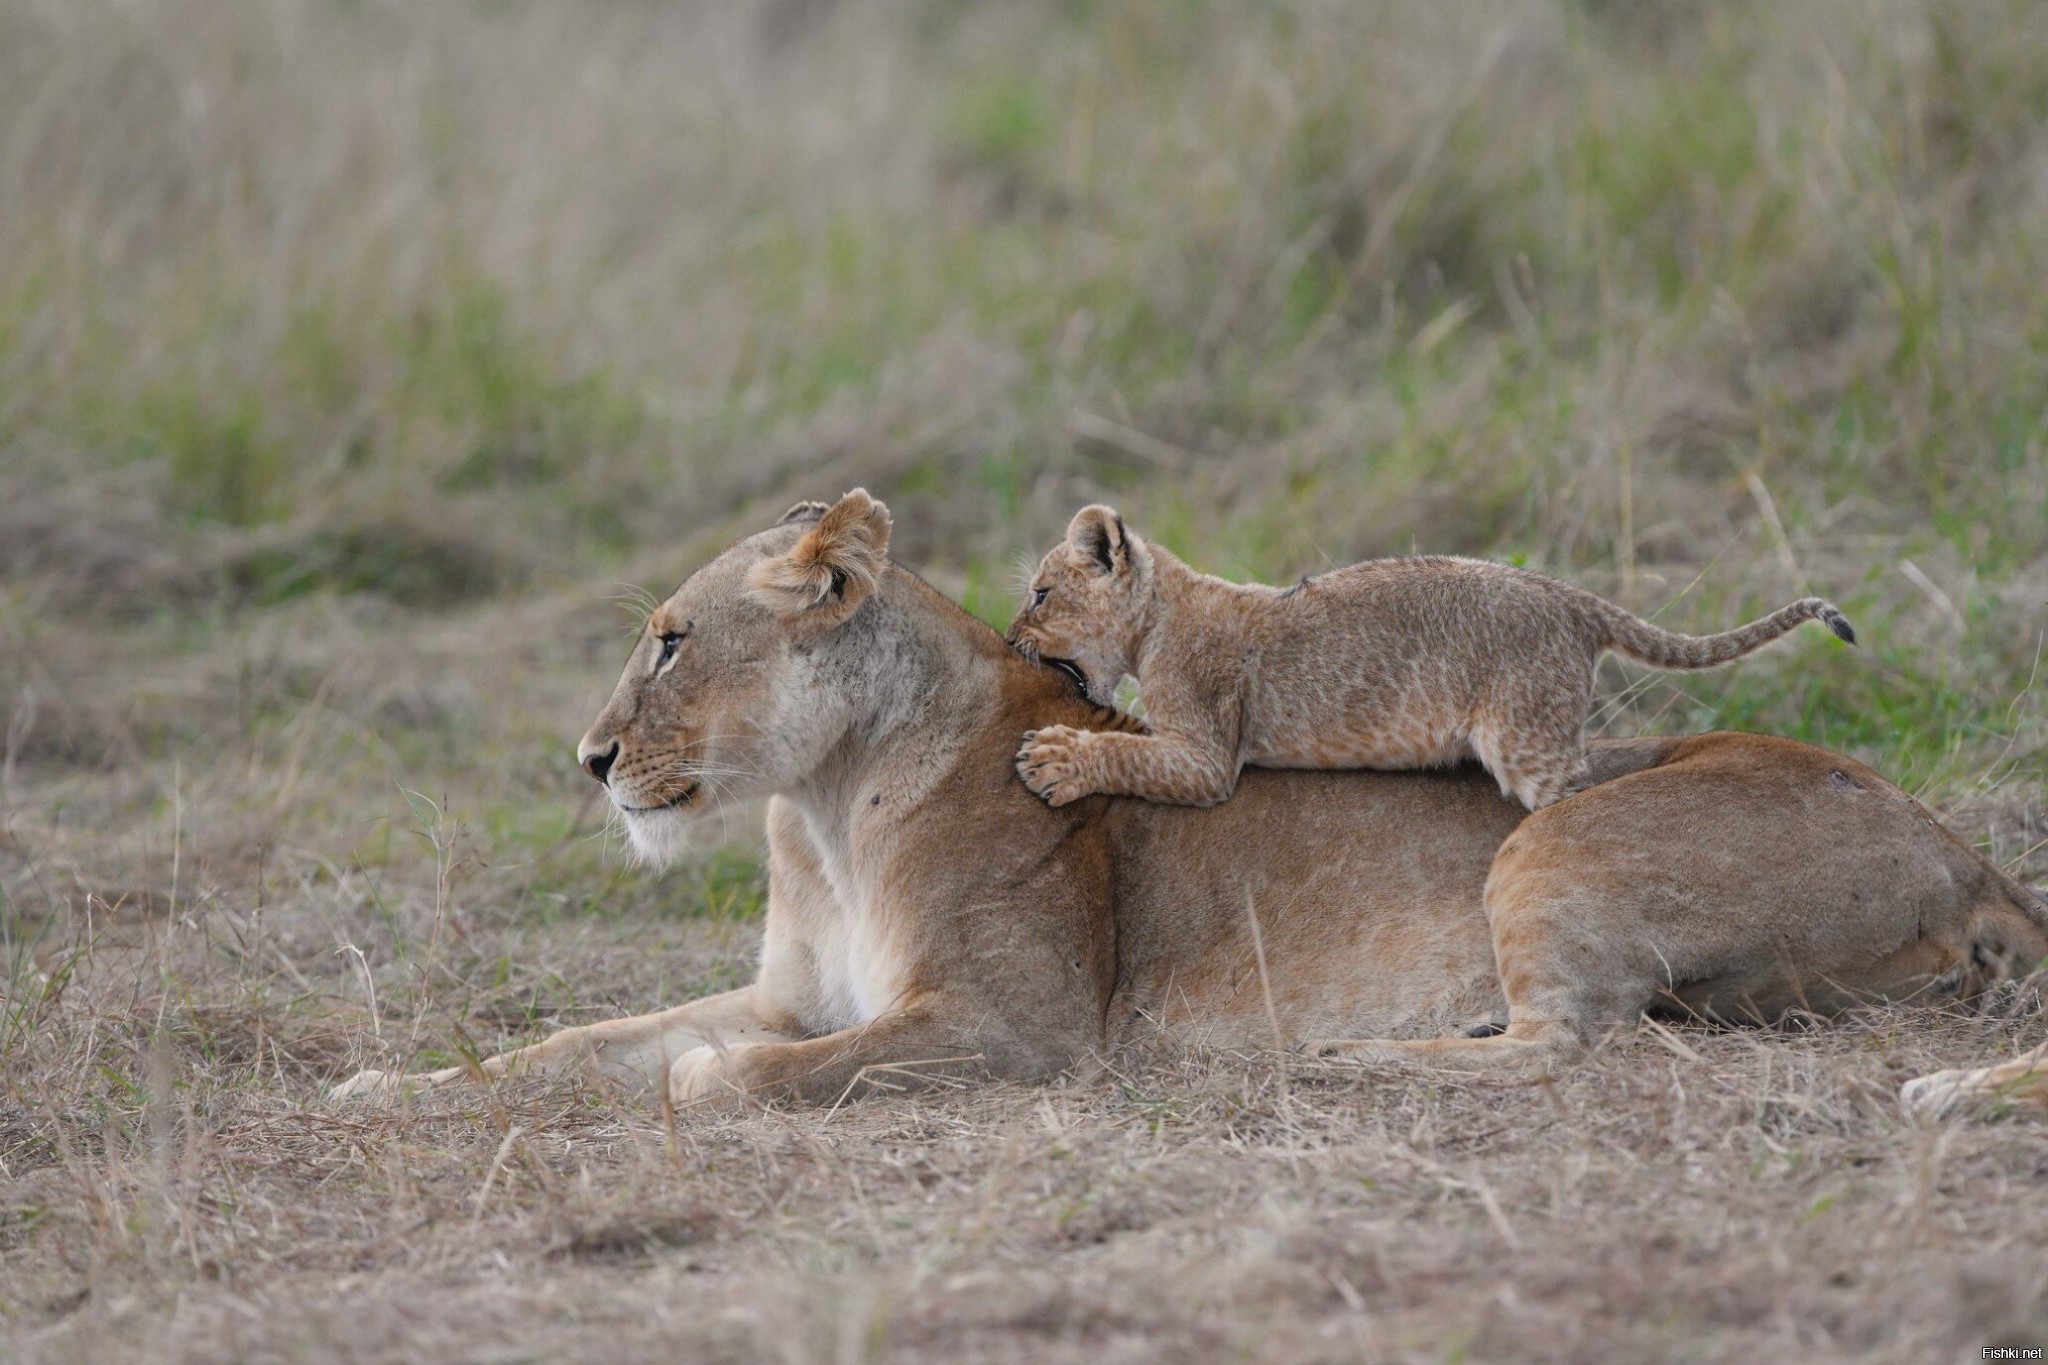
pixel 1393 663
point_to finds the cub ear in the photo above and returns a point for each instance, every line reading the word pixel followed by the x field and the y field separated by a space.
pixel 832 569
pixel 1097 535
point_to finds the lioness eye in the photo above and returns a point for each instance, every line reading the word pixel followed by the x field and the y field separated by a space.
pixel 1038 596
pixel 669 641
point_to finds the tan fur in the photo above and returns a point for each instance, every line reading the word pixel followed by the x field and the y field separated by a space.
pixel 927 916
pixel 2022 1082
pixel 833 566
pixel 1393 663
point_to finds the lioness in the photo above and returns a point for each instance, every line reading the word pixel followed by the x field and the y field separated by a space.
pixel 928 916
pixel 1393 663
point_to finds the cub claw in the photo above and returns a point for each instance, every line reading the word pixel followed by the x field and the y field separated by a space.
pixel 1050 764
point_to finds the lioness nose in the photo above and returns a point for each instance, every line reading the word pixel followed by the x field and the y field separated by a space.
pixel 598 761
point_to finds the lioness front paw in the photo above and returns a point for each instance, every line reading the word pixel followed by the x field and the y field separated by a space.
pixel 1050 764
pixel 710 1077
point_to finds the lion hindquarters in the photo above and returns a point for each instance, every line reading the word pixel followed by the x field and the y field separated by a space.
pixel 1740 880
pixel 1573 966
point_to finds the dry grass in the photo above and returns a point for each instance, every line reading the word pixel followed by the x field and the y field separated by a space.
pixel 352 355
pixel 178 1190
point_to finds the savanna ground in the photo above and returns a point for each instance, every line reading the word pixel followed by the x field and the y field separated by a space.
pixel 353 356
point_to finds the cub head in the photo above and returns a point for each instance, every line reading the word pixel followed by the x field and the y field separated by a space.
pixel 731 692
pixel 1088 605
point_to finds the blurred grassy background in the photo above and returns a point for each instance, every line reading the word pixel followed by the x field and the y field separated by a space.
pixel 351 353
pixel 360 361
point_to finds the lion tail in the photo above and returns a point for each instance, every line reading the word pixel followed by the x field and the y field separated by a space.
pixel 2017 931
pixel 1627 633
pixel 2033 903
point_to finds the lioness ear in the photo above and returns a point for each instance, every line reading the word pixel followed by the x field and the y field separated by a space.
pixel 804 511
pixel 1097 534
pixel 829 572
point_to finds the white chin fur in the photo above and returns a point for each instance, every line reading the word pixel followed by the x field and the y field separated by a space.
pixel 658 837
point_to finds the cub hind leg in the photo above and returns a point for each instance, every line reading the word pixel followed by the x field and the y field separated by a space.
pixel 1536 751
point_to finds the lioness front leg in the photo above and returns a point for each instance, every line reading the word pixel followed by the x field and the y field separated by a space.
pixel 638 1050
pixel 905 1049
pixel 1063 764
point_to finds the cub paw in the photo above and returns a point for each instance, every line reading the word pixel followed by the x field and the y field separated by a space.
pixel 1050 764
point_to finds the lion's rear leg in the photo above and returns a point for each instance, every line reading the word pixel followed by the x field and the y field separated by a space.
pixel 1567 980
pixel 1529 1045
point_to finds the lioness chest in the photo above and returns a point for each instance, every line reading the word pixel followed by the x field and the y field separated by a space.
pixel 858 967
pixel 858 975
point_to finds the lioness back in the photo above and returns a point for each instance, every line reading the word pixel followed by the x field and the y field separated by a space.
pixel 1391 663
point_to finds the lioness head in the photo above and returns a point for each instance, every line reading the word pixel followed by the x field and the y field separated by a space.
pixel 726 696
pixel 1088 604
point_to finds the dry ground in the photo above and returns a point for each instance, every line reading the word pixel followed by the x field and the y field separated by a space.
pixel 201 944
pixel 176 1188
pixel 1693 1195
pixel 352 355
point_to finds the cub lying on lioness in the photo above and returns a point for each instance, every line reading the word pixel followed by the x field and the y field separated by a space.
pixel 1393 663
pixel 929 921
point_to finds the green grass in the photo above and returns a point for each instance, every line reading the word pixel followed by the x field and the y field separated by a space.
pixel 1570 299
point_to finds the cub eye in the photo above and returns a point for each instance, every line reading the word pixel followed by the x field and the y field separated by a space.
pixel 669 641
pixel 1038 596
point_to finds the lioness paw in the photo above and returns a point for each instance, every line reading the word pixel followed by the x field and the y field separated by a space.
pixel 366 1085
pixel 708 1078
pixel 1050 764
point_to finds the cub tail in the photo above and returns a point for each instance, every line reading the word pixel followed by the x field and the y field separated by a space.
pixel 1631 635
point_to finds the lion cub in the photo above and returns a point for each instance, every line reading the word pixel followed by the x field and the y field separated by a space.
pixel 1393 663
